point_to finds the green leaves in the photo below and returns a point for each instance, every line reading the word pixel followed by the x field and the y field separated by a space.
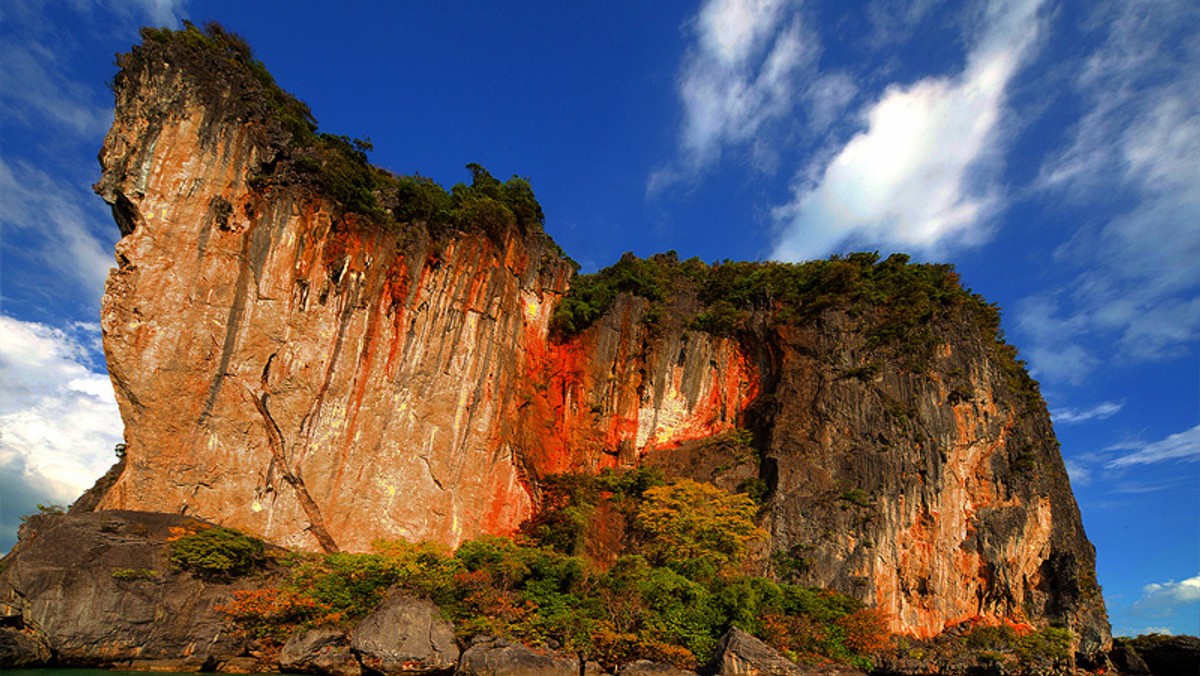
pixel 217 551
pixel 697 529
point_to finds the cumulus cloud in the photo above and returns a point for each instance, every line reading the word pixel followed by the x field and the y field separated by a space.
pixel 58 418
pixel 1072 416
pixel 918 175
pixel 1161 598
pixel 1183 446
pixel 1137 151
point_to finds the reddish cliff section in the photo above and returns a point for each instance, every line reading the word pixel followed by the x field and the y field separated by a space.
pixel 292 368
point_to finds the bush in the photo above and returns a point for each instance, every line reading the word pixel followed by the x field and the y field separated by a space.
pixel 217 551
pixel 135 574
pixel 669 599
pixel 697 528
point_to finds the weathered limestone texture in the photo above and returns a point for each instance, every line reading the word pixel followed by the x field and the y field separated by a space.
pixel 298 371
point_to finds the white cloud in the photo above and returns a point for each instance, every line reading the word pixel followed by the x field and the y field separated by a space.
pixel 917 177
pixel 1183 446
pixel 1137 151
pixel 34 91
pixel 56 221
pixel 740 75
pixel 58 418
pixel 752 64
pixel 1072 416
pixel 1165 597
pixel 1078 472
pixel 162 12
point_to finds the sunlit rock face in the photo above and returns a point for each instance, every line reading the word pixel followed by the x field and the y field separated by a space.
pixel 300 372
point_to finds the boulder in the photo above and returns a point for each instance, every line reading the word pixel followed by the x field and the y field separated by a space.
pixel 319 651
pixel 740 654
pixel 100 590
pixel 405 635
pixel 498 657
pixel 1126 659
pixel 19 650
pixel 1169 655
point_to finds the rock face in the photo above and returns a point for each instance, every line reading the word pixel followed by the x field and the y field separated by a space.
pixel 97 589
pixel 497 657
pixel 289 368
pixel 740 654
pixel 405 635
pixel 319 651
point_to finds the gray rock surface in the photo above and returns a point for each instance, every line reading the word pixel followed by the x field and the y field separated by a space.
pixel 498 657
pixel 319 651
pixel 1169 655
pixel 740 654
pixel 98 589
pixel 1126 659
pixel 19 650
pixel 405 635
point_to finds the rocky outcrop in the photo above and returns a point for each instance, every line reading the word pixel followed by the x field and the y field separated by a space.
pixel 294 369
pixel 498 657
pixel 1158 654
pixel 405 635
pixel 319 651
pixel 97 590
pixel 740 654
pixel 22 650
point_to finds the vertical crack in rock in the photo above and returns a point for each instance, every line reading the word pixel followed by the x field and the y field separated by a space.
pixel 233 324
pixel 316 522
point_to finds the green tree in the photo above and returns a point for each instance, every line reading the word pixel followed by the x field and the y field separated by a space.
pixel 697 529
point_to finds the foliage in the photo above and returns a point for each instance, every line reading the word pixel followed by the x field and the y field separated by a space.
pixel 1047 644
pixel 696 528
pixel 647 605
pixel 337 165
pixel 51 509
pixel 135 574
pixel 217 551
pixel 215 47
pixel 857 496
pixel 653 279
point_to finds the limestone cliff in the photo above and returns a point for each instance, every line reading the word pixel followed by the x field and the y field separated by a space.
pixel 323 368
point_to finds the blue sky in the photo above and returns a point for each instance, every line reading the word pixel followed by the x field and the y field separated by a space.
pixel 1051 150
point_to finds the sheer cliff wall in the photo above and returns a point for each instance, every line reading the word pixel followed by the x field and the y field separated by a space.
pixel 291 368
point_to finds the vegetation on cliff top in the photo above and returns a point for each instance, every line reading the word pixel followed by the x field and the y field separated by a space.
pixel 220 63
pixel 897 301
pixel 668 597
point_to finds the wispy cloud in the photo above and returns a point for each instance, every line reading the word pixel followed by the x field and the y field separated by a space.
pixel 58 417
pixel 1184 446
pixel 1072 416
pixel 59 222
pixel 743 73
pixel 1137 151
pixel 919 176
pixel 1079 473
pixel 1162 598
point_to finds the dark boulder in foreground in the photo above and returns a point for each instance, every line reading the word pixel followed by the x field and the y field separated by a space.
pixel 21 650
pixel 99 591
pixel 1159 654
pixel 405 635
pixel 319 651
pixel 499 657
